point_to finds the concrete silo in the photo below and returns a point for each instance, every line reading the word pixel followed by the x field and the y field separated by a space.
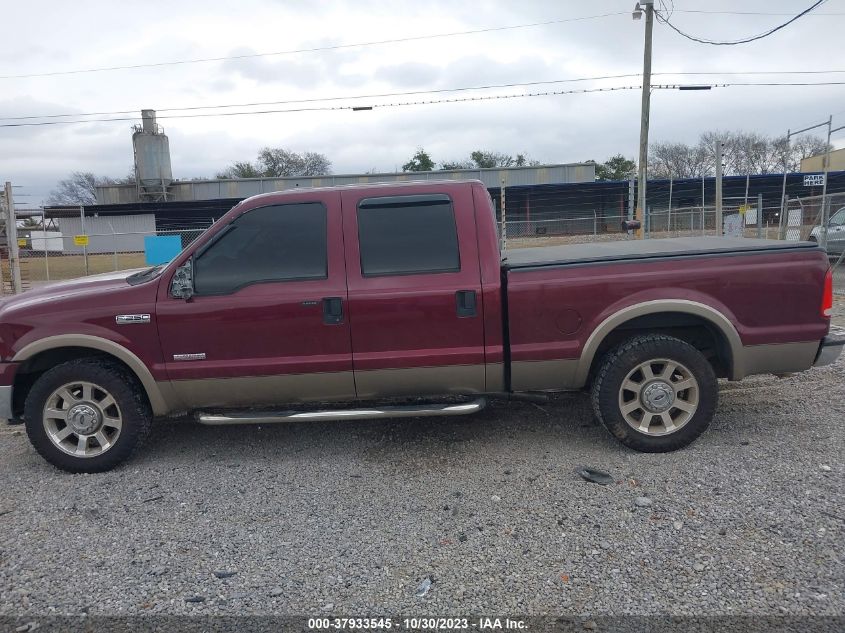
pixel 153 174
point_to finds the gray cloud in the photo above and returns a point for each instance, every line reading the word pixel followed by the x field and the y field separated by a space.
pixel 551 129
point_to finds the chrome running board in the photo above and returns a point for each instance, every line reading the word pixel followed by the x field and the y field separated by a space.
pixel 273 417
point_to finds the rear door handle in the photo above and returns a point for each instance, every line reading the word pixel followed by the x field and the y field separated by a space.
pixel 332 310
pixel 465 301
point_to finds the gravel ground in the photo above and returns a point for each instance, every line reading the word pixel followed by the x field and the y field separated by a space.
pixel 351 518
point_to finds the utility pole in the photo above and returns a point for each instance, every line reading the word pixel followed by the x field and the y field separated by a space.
pixel 825 202
pixel 719 222
pixel 648 5
pixel 12 239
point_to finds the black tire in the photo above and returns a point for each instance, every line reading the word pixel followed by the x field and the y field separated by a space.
pixel 616 366
pixel 129 397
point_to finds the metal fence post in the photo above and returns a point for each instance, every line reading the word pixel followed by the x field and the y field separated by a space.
pixel 46 251
pixel 84 246
pixel 760 216
pixel 12 239
pixel 504 232
pixel 114 244
pixel 595 222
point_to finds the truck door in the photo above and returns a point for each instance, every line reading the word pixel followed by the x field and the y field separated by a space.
pixel 414 292
pixel 268 321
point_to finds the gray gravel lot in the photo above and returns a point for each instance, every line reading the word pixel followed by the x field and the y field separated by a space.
pixel 351 518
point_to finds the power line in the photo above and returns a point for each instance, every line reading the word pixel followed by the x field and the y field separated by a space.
pixel 335 98
pixel 428 102
pixel 337 108
pixel 419 92
pixel 311 50
pixel 705 11
pixel 746 40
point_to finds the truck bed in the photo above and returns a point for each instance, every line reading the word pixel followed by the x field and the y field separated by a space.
pixel 634 249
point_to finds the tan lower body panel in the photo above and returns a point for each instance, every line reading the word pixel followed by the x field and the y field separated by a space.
pixel 264 390
pixel 544 375
pixel 372 384
pixel 420 381
pixel 781 358
pixel 564 374
pixel 494 377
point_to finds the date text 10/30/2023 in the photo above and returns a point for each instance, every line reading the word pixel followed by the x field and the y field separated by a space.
pixel 418 624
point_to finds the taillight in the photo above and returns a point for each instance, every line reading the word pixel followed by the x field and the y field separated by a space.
pixel 827 296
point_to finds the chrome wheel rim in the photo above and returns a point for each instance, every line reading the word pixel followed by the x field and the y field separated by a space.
pixel 82 419
pixel 659 397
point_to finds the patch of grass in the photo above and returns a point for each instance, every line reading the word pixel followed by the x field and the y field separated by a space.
pixel 72 266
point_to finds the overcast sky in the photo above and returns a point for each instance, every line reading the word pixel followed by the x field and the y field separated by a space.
pixel 61 36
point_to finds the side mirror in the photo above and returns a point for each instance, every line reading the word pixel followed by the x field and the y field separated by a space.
pixel 182 284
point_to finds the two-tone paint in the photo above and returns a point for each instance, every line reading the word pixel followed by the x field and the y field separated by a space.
pixel 535 327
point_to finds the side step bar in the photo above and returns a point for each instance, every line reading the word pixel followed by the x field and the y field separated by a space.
pixel 273 417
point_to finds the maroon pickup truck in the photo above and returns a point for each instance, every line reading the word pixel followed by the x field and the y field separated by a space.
pixel 395 301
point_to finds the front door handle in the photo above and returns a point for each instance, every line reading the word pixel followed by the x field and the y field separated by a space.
pixel 465 301
pixel 332 310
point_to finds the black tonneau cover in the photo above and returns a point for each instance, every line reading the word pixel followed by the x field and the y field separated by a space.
pixel 633 249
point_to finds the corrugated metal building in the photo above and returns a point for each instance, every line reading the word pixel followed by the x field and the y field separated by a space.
pixel 245 187
pixel 107 234
pixel 603 200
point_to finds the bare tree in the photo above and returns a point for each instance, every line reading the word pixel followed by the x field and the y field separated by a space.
pixel 742 153
pixel 276 162
pixel 481 159
pixel 80 188
pixel 677 160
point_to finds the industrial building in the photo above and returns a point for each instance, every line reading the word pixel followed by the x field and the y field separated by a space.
pixel 566 191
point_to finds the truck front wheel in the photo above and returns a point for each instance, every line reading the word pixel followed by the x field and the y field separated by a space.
pixel 87 415
pixel 655 393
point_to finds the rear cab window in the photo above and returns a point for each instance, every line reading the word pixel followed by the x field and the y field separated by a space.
pixel 407 235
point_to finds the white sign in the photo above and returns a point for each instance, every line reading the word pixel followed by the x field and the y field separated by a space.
pixel 814 180
pixel 733 225
pixel 750 216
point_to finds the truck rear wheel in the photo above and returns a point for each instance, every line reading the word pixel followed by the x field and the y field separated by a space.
pixel 87 415
pixel 655 393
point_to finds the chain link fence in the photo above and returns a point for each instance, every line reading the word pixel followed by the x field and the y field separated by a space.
pixel 800 219
pixel 596 227
pixel 49 255
pixel 66 248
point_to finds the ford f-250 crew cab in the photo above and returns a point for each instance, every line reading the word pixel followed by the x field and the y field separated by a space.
pixel 395 301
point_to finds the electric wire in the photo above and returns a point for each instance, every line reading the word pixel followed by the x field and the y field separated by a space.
pixel 665 20
pixel 315 49
pixel 429 91
pixel 426 102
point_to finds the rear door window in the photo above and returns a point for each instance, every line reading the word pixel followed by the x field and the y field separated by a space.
pixel 407 235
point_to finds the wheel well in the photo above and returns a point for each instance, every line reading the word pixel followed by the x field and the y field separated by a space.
pixel 32 368
pixel 702 334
